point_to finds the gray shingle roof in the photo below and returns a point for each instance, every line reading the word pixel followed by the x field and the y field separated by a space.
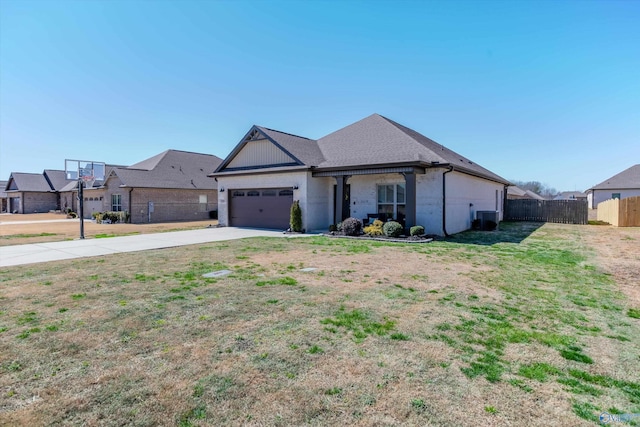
pixel 304 149
pixel 370 142
pixel 172 169
pixel 627 179
pixel 57 178
pixel 30 182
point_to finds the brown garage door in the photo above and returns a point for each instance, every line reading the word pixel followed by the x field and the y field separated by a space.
pixel 261 208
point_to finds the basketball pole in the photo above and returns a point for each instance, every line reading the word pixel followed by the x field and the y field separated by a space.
pixel 81 206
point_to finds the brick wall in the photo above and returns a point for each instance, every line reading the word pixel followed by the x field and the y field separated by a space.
pixel 171 205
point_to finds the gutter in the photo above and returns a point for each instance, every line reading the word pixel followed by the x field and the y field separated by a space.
pixel 444 201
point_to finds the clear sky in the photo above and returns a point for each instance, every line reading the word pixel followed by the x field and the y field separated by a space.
pixel 546 91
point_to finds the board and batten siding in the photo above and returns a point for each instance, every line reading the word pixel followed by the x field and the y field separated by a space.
pixel 260 153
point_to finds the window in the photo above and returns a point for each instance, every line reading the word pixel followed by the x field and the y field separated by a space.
pixel 238 194
pixel 203 198
pixel 286 193
pixel 392 200
pixel 253 193
pixel 615 195
pixel 116 202
pixel 268 193
pixel 203 203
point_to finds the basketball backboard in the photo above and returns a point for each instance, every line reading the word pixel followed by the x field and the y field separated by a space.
pixel 84 169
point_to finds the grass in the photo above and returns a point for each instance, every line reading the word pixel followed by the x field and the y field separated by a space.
pixel 26 235
pixel 487 322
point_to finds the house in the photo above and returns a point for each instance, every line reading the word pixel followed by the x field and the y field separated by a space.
pixel 571 195
pixel 620 186
pixel 4 199
pixel 514 193
pixel 374 166
pixel 171 186
pixel 33 192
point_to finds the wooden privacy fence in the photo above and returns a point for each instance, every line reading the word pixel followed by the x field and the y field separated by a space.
pixel 621 213
pixel 560 211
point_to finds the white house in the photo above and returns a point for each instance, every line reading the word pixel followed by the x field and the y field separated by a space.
pixel 620 186
pixel 374 166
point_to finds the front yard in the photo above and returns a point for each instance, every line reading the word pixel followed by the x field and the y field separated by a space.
pixel 530 325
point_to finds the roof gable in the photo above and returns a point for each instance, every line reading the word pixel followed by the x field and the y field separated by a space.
pixel 28 182
pixel 627 179
pixel 267 148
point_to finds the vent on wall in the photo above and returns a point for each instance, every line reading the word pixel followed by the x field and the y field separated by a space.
pixel 489 220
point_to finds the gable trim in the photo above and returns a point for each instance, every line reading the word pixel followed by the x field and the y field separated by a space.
pixel 244 141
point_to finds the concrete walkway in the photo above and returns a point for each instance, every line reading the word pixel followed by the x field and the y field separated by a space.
pixel 55 251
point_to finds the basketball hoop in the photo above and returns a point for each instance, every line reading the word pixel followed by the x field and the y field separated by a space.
pixel 88 180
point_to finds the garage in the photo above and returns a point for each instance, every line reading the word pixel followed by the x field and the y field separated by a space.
pixel 260 208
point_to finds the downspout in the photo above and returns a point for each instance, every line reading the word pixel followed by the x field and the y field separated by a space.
pixel 444 202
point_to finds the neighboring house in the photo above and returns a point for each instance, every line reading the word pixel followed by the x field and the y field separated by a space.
pixel 531 195
pixel 171 186
pixel 620 186
pixel 571 195
pixel 30 193
pixel 4 199
pixel 374 166
pixel 515 192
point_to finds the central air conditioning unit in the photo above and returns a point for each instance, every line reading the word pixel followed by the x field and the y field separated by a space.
pixel 489 220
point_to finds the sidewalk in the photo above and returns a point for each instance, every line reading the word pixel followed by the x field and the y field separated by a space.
pixel 55 251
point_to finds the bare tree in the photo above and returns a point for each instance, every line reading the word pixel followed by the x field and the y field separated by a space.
pixel 537 187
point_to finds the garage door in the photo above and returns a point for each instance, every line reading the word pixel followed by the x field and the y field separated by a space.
pixel 261 208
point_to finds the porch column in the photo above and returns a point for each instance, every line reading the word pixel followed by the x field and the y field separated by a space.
pixel 341 181
pixel 410 199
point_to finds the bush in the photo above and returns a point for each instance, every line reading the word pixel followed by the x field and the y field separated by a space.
pixel 352 226
pixel 490 225
pixel 374 229
pixel 475 224
pixel 392 229
pixel 333 228
pixel 71 214
pixel 295 219
pixel 416 230
pixel 97 216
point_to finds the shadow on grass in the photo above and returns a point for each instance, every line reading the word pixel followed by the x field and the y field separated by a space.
pixel 509 232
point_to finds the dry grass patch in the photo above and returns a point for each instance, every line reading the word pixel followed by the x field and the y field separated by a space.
pixel 481 329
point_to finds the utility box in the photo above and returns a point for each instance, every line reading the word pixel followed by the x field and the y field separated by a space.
pixel 489 220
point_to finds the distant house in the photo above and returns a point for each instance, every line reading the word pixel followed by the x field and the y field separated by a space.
pixel 514 193
pixel 4 199
pixel 171 186
pixel 620 186
pixel 571 195
pixel 374 167
pixel 33 192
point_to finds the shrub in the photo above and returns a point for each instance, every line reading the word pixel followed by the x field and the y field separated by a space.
pixel 475 224
pixel 416 230
pixel 295 220
pixel 392 229
pixel 352 226
pixel 97 216
pixel 71 214
pixel 333 228
pixel 374 229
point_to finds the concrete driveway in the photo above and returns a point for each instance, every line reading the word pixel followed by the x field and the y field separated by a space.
pixel 55 251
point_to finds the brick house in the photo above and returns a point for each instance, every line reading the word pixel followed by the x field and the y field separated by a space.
pixel 33 192
pixel 171 186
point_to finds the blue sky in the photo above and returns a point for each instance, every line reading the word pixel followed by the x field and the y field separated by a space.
pixel 546 91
